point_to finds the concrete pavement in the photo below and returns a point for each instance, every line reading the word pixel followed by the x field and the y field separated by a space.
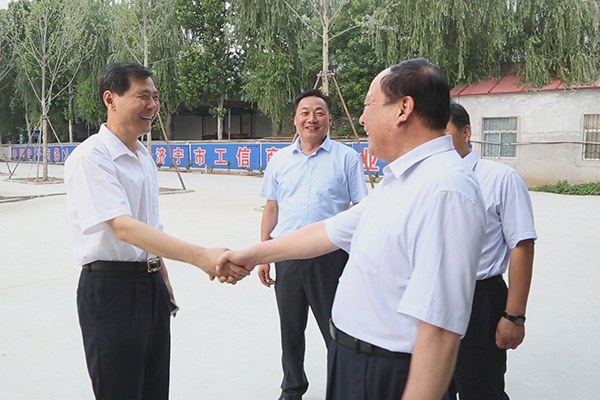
pixel 226 338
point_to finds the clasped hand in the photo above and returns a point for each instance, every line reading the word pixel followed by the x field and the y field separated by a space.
pixel 233 266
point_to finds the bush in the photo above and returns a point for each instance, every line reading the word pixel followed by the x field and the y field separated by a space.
pixel 563 187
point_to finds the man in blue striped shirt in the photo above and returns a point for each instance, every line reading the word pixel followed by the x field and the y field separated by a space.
pixel 312 179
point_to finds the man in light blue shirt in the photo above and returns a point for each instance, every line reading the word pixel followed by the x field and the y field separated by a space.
pixel 312 179
pixel 405 295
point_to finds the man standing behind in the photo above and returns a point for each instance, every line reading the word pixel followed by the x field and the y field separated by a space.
pixel 498 314
pixel 313 179
pixel 404 297
pixel 123 297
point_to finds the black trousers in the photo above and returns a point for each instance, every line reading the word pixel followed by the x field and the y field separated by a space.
pixel 358 376
pixel 124 319
pixel 481 365
pixel 301 284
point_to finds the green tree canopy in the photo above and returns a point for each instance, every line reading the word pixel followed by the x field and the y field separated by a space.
pixel 210 62
pixel 48 39
pixel 539 40
pixel 148 32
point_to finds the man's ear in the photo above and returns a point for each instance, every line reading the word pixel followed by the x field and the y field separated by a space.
pixel 405 107
pixel 109 100
pixel 467 133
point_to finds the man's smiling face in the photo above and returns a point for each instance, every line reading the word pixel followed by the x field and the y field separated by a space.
pixel 135 111
pixel 312 119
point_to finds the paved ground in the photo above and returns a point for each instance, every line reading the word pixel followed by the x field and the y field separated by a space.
pixel 226 339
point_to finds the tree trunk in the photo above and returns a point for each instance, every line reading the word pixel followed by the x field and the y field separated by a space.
pixel 220 118
pixel 146 51
pixel 44 127
pixel 276 126
pixel 325 78
pixel 71 96
pixel 169 131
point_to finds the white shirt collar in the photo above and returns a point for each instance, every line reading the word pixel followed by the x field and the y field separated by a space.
pixel 115 146
pixel 472 159
pixel 326 145
pixel 400 165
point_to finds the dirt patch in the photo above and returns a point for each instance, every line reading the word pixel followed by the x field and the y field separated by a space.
pixel 173 191
pixel 13 199
pixel 35 181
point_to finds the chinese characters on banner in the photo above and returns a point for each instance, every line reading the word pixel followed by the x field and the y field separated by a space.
pixel 240 156
pixel 33 153
pixel 369 161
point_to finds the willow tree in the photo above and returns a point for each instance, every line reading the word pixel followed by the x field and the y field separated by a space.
pixel 209 65
pixel 88 106
pixel 7 54
pixel 287 43
pixel 557 39
pixel 6 67
pixel 49 44
pixel 148 32
pixel 538 39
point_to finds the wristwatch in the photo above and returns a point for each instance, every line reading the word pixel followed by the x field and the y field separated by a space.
pixel 515 319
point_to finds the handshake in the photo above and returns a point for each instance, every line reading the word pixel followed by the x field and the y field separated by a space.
pixel 231 266
pixel 226 265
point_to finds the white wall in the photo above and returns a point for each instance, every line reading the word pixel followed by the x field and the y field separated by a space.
pixel 542 117
pixel 263 126
pixel 4 152
pixel 187 127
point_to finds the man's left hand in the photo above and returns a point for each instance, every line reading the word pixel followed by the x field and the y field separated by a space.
pixel 508 334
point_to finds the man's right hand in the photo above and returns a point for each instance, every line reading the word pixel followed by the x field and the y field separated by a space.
pixel 208 263
pixel 263 274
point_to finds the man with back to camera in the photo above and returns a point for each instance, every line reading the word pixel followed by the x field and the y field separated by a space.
pixel 404 298
pixel 498 314
pixel 112 196
pixel 312 179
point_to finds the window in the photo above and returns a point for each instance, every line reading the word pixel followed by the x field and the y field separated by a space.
pixel 591 137
pixel 502 131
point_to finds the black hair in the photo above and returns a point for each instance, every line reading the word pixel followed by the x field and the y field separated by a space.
pixel 425 83
pixel 314 93
pixel 459 116
pixel 117 77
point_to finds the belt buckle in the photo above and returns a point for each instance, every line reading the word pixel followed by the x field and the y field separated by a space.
pixel 153 265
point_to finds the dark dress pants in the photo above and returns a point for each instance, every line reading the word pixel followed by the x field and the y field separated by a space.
pixel 358 376
pixel 301 284
pixel 124 318
pixel 481 365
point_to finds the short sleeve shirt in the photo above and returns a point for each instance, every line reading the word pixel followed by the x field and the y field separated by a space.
pixel 414 246
pixel 310 188
pixel 105 180
pixel 509 213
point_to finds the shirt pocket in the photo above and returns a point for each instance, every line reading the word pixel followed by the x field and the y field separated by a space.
pixel 371 244
pixel 328 186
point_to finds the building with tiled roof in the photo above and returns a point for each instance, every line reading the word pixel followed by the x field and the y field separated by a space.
pixel 547 134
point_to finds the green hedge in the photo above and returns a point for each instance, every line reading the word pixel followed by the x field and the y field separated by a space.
pixel 563 187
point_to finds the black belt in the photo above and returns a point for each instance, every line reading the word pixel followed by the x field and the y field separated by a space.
pixel 488 283
pixel 149 266
pixel 361 347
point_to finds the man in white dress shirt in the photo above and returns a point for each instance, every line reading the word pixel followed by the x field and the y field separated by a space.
pixel 112 196
pixel 498 316
pixel 404 297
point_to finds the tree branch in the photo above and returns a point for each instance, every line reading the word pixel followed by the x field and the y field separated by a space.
pixel 336 13
pixel 302 20
pixel 344 31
